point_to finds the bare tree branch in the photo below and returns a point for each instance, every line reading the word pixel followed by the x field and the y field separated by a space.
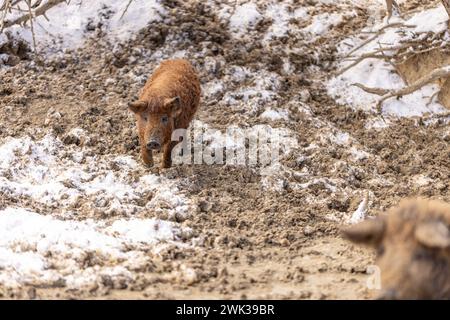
pixel 38 12
pixel 32 24
pixel 13 3
pixel 389 8
pixel 5 7
pixel 377 34
pixel 377 91
pixel 433 76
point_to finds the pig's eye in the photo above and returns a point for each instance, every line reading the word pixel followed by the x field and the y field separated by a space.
pixel 164 119
pixel 145 118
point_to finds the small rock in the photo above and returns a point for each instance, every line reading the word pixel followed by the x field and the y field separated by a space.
pixel 305 96
pixel 205 206
pixel 308 230
pixel 31 293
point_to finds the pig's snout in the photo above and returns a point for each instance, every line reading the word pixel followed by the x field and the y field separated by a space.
pixel 153 145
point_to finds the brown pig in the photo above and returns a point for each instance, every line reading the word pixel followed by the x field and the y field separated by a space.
pixel 412 243
pixel 168 102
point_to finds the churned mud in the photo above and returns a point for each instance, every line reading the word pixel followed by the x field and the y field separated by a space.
pixel 219 231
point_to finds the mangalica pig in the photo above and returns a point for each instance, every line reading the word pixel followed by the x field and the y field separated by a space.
pixel 168 102
pixel 412 243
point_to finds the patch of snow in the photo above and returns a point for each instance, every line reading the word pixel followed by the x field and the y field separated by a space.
pixel 281 16
pixel 147 231
pixel 358 154
pixel 245 17
pixel 213 88
pixel 415 104
pixel 274 177
pixel 421 180
pixel 327 183
pixel 59 176
pixel 379 74
pixel 233 137
pixel 70 182
pixel 3 39
pixel 272 114
pixel 35 248
pixel 431 20
pixel 340 138
pixel 66 27
pixel 377 123
pixel 3 58
pixel 323 23
pixel 360 213
pixel 262 91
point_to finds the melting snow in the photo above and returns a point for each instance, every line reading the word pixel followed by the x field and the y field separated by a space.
pixel 67 26
pixel 360 213
pixel 34 247
pixel 275 114
pixel 322 23
pixel 44 248
pixel 281 17
pixel 52 174
pixel 379 74
pixel 244 18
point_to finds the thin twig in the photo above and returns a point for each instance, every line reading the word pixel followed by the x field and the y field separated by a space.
pixel 377 34
pixel 5 7
pixel 430 101
pixel 360 59
pixel 32 26
pixel 126 9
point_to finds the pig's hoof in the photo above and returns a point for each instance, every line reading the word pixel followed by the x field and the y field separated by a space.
pixel 148 164
pixel 166 164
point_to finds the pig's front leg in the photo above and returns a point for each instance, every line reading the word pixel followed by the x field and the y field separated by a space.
pixel 167 155
pixel 147 157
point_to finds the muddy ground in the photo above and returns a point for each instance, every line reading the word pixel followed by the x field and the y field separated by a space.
pixel 256 241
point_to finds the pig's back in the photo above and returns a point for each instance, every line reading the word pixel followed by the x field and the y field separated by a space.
pixel 176 78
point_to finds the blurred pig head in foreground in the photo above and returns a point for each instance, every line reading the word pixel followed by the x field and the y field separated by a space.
pixel 412 242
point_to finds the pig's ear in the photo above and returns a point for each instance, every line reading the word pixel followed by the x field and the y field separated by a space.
pixel 368 232
pixel 138 106
pixel 175 106
pixel 433 234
